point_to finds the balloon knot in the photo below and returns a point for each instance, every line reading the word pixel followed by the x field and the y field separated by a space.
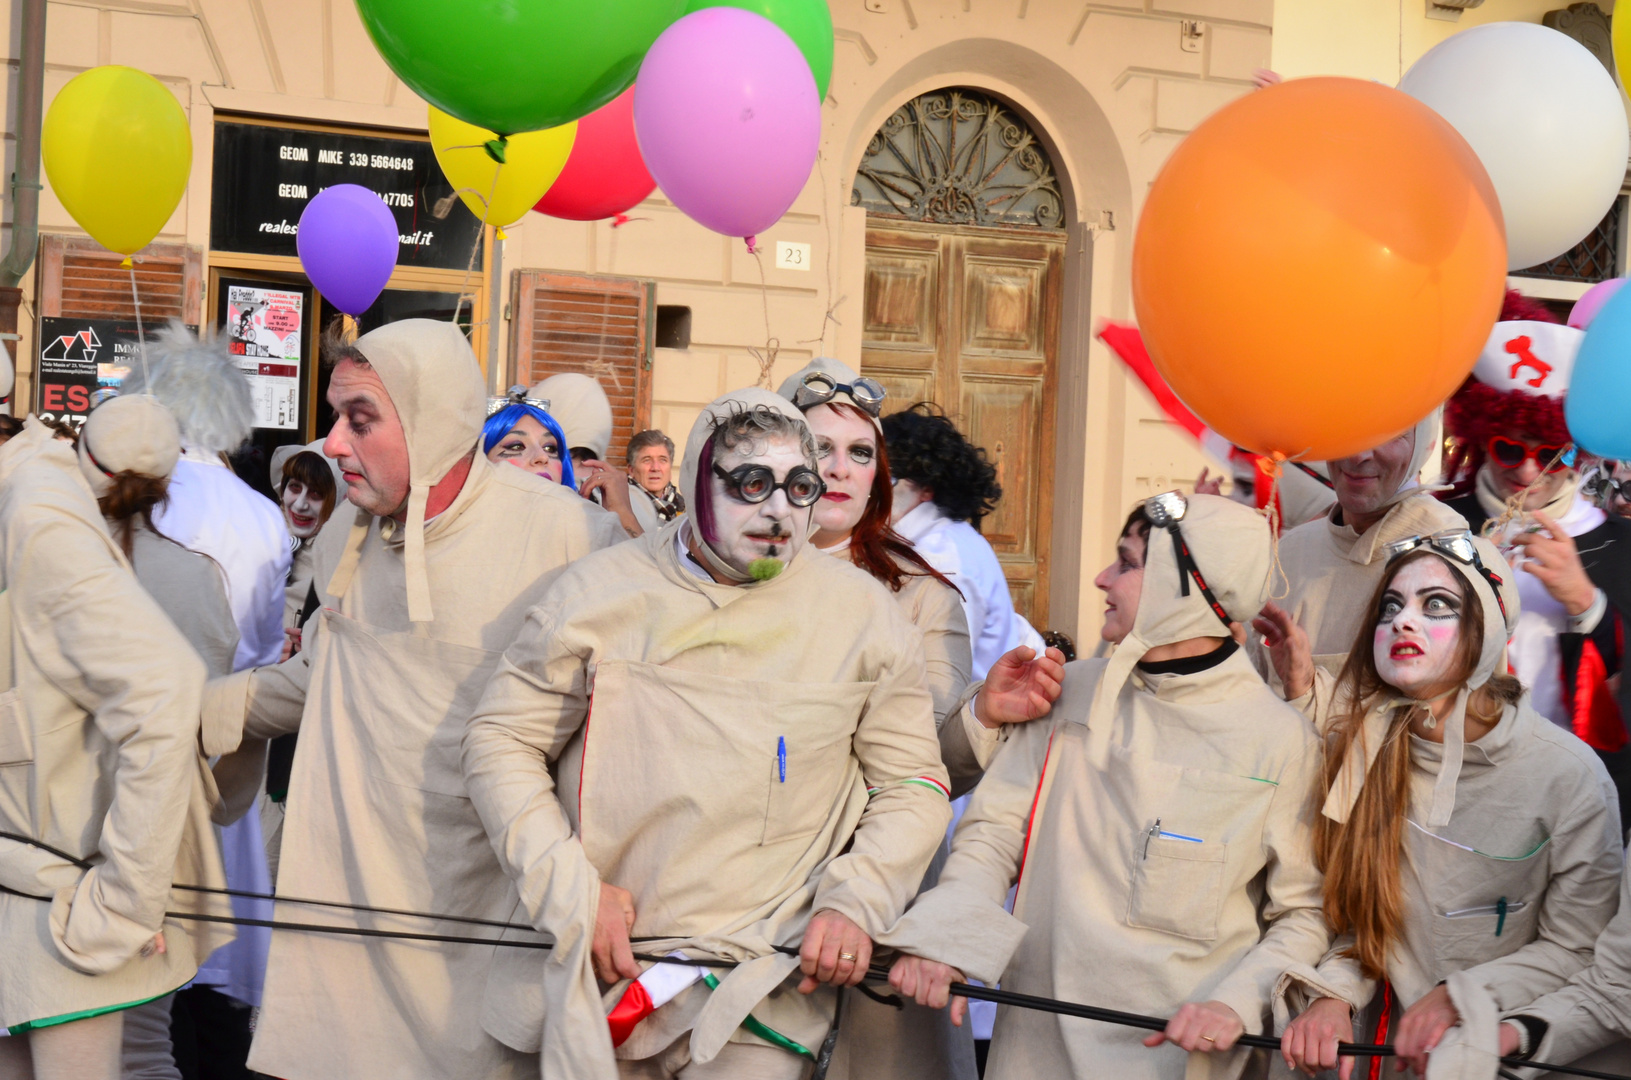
pixel 620 219
pixel 1273 464
pixel 127 263
pixel 496 148
pixel 501 236
pixel 753 244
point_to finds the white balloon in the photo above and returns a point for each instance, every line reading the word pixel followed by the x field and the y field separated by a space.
pixel 1544 116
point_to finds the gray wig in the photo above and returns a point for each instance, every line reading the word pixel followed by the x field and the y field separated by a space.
pixel 200 383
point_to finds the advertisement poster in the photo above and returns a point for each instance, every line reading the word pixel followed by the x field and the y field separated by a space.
pixel 264 330
pixel 78 357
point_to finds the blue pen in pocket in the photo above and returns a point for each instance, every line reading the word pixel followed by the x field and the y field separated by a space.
pixel 781 758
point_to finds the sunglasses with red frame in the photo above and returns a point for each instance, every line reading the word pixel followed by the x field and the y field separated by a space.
pixel 1511 454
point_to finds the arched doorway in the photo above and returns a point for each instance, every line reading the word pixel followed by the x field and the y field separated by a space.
pixel 965 249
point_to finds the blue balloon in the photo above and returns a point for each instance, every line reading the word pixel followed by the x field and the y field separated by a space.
pixel 1598 407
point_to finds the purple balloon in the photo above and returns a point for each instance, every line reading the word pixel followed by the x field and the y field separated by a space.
pixel 347 243
pixel 1586 308
pixel 728 119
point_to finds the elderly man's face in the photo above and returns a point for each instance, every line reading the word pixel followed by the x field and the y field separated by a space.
pixel 774 529
pixel 1365 482
pixel 367 440
pixel 652 468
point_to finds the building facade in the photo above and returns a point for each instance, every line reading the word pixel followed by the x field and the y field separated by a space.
pixel 969 221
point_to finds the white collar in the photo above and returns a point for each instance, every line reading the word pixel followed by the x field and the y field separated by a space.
pixel 917 521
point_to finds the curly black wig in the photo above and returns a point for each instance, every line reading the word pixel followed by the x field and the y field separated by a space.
pixel 926 448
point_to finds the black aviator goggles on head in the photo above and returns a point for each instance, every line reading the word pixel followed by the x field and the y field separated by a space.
pixel 1165 511
pixel 756 483
pixel 1455 544
pixel 818 388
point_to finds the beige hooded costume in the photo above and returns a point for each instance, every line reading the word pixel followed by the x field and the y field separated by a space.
pixel 1155 826
pixel 674 791
pixel 579 405
pixel 1512 841
pixel 879 1040
pixel 936 610
pixel 98 750
pixel 413 620
pixel 1332 570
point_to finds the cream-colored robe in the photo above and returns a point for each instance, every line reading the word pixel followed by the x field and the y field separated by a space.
pixel 880 1041
pixel 1332 572
pixel 631 736
pixel 377 812
pixel 98 757
pixel 1158 829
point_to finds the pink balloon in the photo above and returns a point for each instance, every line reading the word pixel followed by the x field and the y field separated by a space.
pixel 1585 309
pixel 728 119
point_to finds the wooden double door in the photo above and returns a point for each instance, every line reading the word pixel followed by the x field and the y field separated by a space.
pixel 968 317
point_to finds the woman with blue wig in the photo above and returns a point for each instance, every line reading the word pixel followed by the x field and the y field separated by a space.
pixel 520 430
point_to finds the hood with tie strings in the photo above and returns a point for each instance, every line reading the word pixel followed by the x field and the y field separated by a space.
pixel 836 370
pixel 717 412
pixel 1229 545
pixel 130 433
pixel 436 386
pixel 1498 627
pixel 581 407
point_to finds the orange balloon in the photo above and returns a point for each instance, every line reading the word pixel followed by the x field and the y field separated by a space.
pixel 1317 267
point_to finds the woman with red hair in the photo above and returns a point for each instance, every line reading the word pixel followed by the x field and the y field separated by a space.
pixel 1512 463
pixel 853 521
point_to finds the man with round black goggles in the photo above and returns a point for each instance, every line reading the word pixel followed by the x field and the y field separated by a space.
pixel 755 484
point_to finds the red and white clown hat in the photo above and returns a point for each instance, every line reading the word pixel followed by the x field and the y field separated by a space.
pixel 1533 358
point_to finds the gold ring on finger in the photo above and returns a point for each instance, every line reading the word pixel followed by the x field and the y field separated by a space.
pixel 847 956
pixel 1209 1038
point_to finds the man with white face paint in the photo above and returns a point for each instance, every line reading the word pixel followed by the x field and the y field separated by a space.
pixel 422 581
pixel 760 783
pixel 1333 563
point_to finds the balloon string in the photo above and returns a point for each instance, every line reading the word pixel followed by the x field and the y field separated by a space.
pixel 475 249
pixel 1279 583
pixel 766 359
pixel 141 337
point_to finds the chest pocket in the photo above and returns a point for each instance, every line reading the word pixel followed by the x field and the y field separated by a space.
pixel 419 695
pixel 709 762
pixel 1484 906
pixel 1198 837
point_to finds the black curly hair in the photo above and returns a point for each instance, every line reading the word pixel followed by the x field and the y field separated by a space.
pixel 926 448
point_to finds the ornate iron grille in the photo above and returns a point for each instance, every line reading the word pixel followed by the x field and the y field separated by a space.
pixel 1596 258
pixel 958 156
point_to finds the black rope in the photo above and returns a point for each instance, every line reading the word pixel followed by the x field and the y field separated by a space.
pixel 876 972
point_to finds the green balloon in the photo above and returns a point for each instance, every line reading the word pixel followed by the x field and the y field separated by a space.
pixel 807 22
pixel 516 65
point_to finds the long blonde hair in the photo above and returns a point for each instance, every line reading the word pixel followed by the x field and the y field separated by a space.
pixel 1361 856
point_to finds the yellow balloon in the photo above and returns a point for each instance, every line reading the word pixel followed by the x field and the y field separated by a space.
pixel 532 161
pixel 117 150
pixel 1620 34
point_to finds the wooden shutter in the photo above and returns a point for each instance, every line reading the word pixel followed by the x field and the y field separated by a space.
pixel 604 327
pixel 79 278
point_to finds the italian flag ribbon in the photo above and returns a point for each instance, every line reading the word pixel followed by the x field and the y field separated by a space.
pixel 656 987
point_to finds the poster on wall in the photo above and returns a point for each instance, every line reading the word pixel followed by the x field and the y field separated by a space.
pixel 264 328
pixel 77 358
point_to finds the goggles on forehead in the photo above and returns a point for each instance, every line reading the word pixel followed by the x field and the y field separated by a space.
pixel 1453 544
pixel 1165 511
pixel 818 388
pixel 756 483
pixel 516 396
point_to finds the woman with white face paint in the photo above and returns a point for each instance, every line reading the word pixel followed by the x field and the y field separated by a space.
pixel 1470 848
pixel 852 520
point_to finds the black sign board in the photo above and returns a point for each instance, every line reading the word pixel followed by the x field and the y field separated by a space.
pixel 264 176
pixel 78 357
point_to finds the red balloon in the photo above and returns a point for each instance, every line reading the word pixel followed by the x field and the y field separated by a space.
pixel 605 176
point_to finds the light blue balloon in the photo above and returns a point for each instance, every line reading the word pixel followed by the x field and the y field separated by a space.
pixel 1598 408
